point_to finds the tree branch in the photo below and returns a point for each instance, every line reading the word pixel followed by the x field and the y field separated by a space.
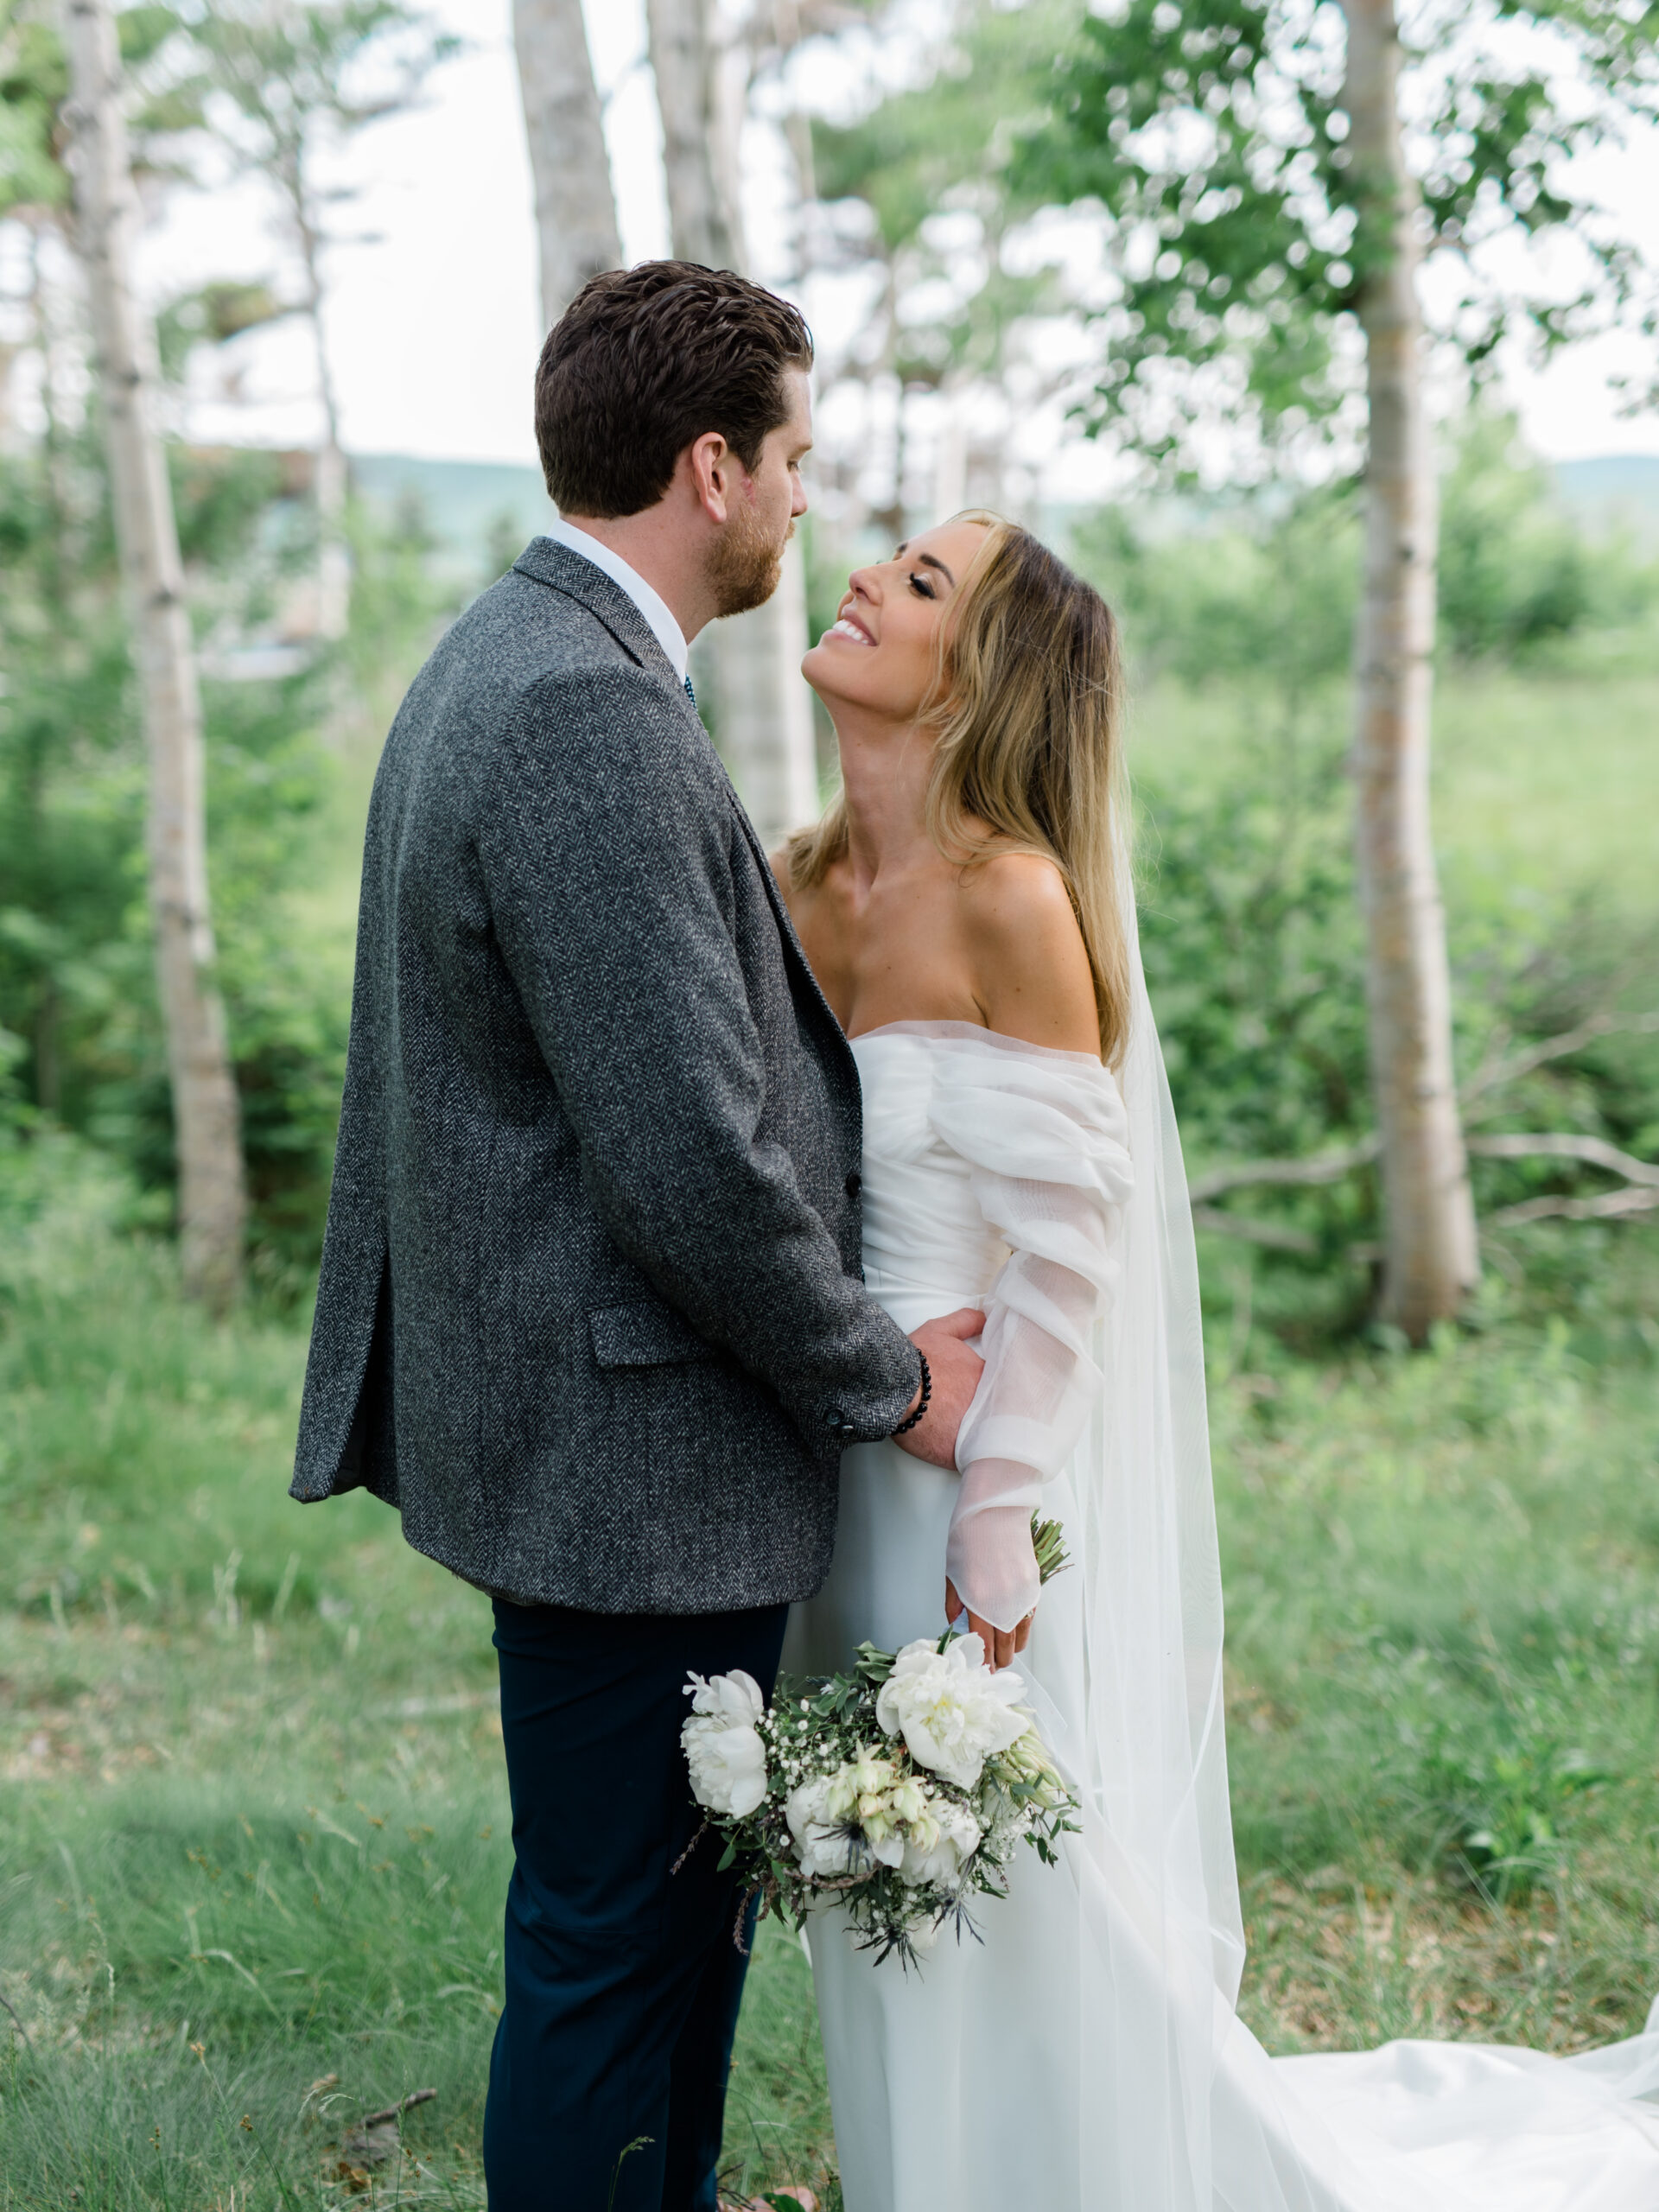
pixel 1323 1168
pixel 1608 1207
pixel 1640 1195
pixel 1278 1236
pixel 1489 1076
pixel 1565 1145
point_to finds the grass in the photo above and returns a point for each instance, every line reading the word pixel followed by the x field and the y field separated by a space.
pixel 252 1820
pixel 1541 779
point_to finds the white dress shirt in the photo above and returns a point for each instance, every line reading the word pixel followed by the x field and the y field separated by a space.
pixel 651 604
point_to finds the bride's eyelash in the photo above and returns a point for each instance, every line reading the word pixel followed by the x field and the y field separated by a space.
pixel 920 584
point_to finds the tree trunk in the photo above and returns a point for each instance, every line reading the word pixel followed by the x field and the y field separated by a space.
pixel 328 488
pixel 706 221
pixel 1431 1253
pixel 575 209
pixel 762 710
pixel 211 1198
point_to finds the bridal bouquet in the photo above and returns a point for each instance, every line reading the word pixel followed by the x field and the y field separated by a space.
pixel 899 1790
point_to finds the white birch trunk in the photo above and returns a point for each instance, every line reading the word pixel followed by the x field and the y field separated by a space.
pixel 762 709
pixel 211 1197
pixel 576 208
pixel 706 224
pixel 1432 1251
pixel 329 480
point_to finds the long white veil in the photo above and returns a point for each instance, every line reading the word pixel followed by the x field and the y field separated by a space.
pixel 1182 2110
pixel 1163 1940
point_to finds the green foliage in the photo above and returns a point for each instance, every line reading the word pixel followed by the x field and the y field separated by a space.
pixel 1249 923
pixel 34 84
pixel 924 163
pixel 1515 572
pixel 1213 134
pixel 76 982
pixel 212 314
pixel 291 71
pixel 165 99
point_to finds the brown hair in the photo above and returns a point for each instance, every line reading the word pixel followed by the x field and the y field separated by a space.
pixel 1026 708
pixel 645 361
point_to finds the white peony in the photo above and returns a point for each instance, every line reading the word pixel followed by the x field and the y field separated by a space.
pixel 723 1747
pixel 954 1839
pixel 951 1710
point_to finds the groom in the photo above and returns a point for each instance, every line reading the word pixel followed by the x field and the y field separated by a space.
pixel 590 1314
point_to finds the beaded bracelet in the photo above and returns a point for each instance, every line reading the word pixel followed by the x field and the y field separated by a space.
pixel 911 1420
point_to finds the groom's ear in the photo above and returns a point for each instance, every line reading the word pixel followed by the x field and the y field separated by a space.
pixel 714 471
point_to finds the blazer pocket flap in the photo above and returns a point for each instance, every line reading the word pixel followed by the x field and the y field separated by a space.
pixel 643 1335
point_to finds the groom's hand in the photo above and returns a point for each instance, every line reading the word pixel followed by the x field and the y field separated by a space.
pixel 956 1371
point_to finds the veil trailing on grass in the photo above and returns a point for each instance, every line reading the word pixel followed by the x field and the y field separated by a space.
pixel 1180 2108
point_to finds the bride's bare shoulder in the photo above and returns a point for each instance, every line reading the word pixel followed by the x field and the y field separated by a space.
pixel 1032 975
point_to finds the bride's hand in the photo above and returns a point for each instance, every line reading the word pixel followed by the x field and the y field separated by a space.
pixel 1001 1645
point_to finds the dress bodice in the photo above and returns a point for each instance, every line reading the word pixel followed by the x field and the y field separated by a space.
pixel 977 1145
pixel 924 1236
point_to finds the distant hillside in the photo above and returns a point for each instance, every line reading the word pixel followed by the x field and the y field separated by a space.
pixel 460 502
pixel 1615 492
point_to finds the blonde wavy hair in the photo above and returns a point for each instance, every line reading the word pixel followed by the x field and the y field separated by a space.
pixel 1026 708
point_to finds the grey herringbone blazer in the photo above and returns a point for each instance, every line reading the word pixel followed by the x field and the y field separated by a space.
pixel 590 1313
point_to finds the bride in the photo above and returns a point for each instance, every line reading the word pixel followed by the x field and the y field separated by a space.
pixel 967 905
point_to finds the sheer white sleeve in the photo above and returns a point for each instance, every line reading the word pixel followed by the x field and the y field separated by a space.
pixel 1046 1141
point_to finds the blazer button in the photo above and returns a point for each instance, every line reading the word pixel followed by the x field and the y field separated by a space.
pixel 843 1431
pixel 854 1184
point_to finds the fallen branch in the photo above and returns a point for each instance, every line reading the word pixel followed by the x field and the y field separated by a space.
pixel 1610 1206
pixel 1331 1166
pixel 397 2111
pixel 1565 1145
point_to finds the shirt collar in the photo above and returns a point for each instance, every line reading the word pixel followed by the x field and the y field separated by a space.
pixel 651 604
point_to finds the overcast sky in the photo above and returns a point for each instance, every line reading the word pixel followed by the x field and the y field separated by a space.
pixel 434 323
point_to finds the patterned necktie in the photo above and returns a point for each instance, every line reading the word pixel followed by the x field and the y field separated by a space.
pixel 690 694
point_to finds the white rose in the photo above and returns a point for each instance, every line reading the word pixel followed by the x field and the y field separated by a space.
pixel 722 1748
pixel 822 1843
pixel 951 1710
pixel 956 1838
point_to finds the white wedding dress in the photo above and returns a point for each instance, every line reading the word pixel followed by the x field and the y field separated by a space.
pixel 1086 2057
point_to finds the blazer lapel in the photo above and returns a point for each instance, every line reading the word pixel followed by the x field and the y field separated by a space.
pixel 545 562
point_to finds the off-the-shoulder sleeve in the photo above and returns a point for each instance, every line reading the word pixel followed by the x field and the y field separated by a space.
pixel 1046 1138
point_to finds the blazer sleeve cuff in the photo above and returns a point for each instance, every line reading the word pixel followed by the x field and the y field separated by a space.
pixel 866 1419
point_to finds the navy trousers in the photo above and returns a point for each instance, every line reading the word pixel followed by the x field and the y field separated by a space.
pixel 623 1981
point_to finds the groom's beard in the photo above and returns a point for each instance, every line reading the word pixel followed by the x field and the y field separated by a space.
pixel 746 565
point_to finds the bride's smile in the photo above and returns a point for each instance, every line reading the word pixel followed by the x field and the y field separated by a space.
pixel 880 654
